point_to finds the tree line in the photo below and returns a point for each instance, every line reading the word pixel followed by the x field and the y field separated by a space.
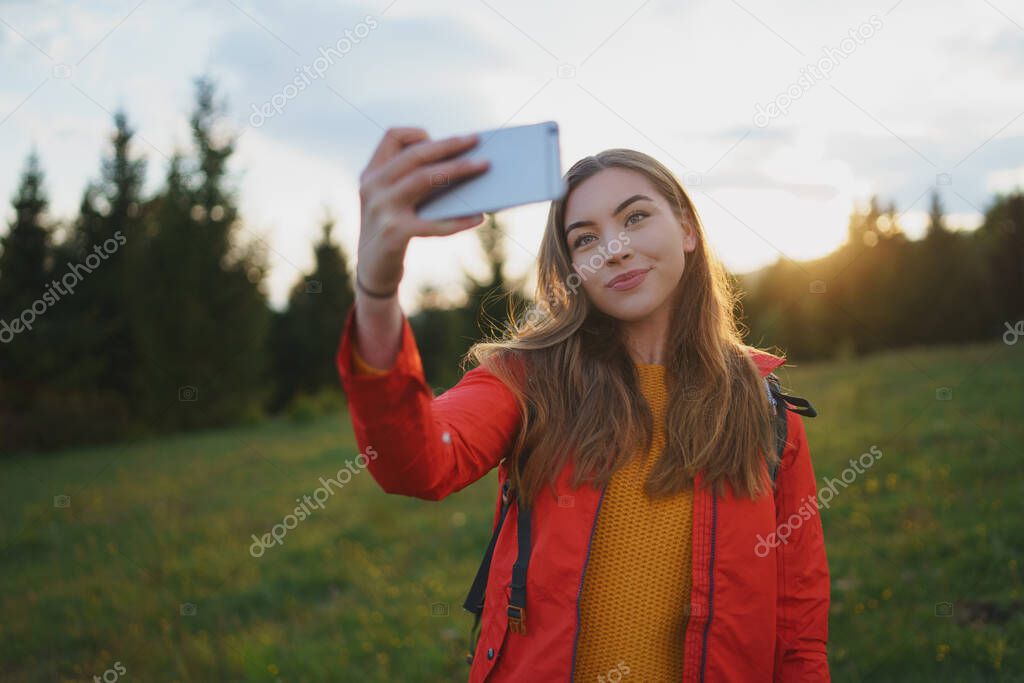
pixel 146 315
pixel 881 290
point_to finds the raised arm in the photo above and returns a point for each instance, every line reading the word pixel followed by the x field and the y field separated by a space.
pixel 803 597
pixel 419 445
pixel 426 446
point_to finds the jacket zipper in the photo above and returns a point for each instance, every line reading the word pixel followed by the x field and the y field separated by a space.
pixel 711 584
pixel 579 591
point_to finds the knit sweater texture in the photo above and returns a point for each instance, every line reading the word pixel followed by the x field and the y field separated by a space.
pixel 636 586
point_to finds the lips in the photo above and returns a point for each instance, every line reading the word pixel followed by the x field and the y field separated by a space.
pixel 629 279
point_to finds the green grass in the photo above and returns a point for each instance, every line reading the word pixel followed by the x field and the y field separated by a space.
pixel 937 519
pixel 157 525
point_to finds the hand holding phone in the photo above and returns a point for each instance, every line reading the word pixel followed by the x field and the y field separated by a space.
pixel 397 177
pixel 405 170
pixel 414 186
pixel 525 167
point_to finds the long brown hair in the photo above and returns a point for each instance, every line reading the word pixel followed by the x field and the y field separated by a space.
pixel 578 389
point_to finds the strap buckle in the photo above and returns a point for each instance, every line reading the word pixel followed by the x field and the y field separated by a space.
pixel 517 619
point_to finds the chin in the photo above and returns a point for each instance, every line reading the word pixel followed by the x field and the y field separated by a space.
pixel 631 313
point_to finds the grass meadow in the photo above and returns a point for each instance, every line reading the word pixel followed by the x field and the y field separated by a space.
pixel 138 556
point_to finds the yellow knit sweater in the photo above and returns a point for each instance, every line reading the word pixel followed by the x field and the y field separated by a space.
pixel 637 582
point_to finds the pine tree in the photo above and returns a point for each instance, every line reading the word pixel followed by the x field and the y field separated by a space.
pixel 489 300
pixel 23 267
pixel 199 309
pixel 306 335
pixel 1002 239
pixel 101 346
pixel 25 264
pixel 936 218
pixel 949 283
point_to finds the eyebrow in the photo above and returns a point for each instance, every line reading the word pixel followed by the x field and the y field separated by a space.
pixel 618 209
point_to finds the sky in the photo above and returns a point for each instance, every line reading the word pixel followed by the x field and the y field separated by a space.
pixel 778 117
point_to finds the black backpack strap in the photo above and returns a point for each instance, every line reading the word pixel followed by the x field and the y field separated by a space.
pixel 475 599
pixel 781 403
pixel 478 592
pixel 803 406
pixel 781 427
pixel 517 602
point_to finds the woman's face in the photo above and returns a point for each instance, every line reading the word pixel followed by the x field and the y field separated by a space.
pixel 617 223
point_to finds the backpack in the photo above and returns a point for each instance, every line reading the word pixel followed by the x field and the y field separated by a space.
pixel 517 604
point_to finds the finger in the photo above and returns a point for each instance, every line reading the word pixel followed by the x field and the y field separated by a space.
pixel 449 226
pixel 393 142
pixel 416 185
pixel 425 152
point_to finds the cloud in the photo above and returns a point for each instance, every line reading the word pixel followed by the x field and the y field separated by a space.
pixel 402 68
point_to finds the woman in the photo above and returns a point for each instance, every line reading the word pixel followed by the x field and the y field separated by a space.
pixel 628 413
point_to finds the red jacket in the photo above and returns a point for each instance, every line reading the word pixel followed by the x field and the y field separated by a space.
pixel 759 610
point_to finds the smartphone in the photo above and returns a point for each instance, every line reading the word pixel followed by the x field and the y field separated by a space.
pixel 525 168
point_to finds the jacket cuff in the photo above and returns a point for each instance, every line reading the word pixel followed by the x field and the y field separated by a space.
pixel 375 394
pixel 364 368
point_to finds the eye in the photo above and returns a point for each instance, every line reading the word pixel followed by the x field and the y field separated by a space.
pixel 642 214
pixel 579 240
pixel 629 221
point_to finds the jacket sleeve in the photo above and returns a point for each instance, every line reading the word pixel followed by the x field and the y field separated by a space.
pixel 364 368
pixel 418 444
pixel 803 595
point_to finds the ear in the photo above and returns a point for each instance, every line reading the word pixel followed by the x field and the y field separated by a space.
pixel 689 237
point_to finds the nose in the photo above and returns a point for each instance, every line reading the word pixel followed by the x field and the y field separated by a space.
pixel 618 251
